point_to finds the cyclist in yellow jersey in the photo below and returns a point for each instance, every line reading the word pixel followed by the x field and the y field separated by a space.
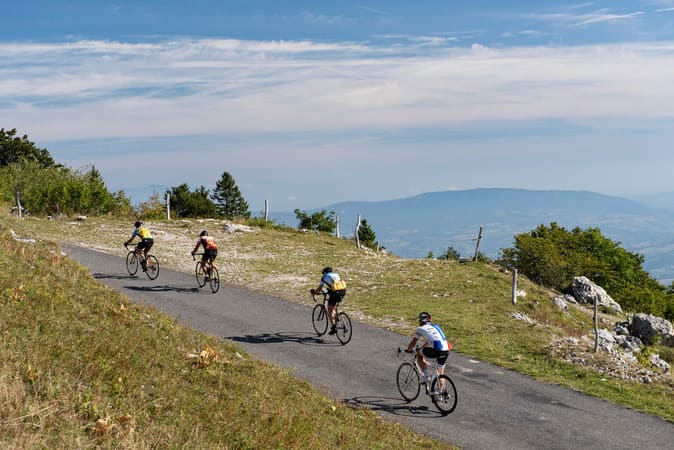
pixel 145 244
pixel 210 249
pixel 336 287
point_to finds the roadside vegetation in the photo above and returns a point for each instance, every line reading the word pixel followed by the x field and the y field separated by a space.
pixel 81 366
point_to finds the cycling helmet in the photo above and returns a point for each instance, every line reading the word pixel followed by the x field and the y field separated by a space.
pixel 203 233
pixel 424 317
pixel 137 224
pixel 327 270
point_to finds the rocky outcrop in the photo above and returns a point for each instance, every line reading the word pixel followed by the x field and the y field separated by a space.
pixel 651 329
pixel 585 291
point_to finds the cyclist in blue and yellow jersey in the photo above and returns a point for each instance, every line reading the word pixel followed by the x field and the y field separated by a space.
pixel 435 345
pixel 210 250
pixel 336 291
pixel 145 244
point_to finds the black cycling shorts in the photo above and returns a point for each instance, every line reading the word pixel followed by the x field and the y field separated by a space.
pixel 336 297
pixel 210 253
pixel 440 355
pixel 146 244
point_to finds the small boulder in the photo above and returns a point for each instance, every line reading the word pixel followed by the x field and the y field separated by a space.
pixel 651 329
pixel 585 291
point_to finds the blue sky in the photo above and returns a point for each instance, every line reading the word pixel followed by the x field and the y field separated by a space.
pixel 308 103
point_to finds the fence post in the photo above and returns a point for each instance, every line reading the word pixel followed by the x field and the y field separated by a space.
pixel 266 211
pixel 337 225
pixel 477 244
pixel 596 327
pixel 356 232
pixel 514 293
pixel 168 205
pixel 18 204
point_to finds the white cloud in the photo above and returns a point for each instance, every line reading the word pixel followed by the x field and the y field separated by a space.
pixel 224 86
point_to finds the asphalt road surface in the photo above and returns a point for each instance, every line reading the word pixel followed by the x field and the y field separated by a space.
pixel 497 408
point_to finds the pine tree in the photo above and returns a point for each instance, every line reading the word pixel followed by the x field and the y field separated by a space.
pixel 228 199
pixel 366 235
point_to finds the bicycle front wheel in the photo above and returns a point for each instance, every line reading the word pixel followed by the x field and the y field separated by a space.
pixel 443 394
pixel 200 275
pixel 131 263
pixel 408 382
pixel 343 325
pixel 214 281
pixel 152 265
pixel 319 319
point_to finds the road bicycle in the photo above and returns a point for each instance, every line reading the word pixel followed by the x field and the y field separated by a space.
pixel 440 388
pixel 320 320
pixel 207 274
pixel 132 263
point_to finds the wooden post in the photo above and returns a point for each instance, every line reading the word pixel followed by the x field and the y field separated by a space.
pixel 266 210
pixel 18 204
pixel 168 205
pixel 514 293
pixel 596 327
pixel 477 244
pixel 356 232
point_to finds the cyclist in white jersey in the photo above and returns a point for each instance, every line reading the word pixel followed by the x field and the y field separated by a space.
pixel 435 344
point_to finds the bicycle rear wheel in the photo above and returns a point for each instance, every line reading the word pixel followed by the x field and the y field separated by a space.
pixel 152 266
pixel 200 275
pixel 408 382
pixel 214 281
pixel 319 319
pixel 343 325
pixel 443 394
pixel 131 263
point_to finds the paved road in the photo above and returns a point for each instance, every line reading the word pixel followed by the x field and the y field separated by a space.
pixel 498 409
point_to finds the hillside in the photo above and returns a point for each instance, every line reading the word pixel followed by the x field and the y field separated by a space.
pixel 432 222
pixel 81 366
pixel 472 301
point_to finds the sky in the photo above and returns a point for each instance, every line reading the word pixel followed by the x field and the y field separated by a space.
pixel 309 103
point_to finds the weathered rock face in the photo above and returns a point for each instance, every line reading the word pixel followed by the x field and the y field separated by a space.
pixel 651 329
pixel 585 291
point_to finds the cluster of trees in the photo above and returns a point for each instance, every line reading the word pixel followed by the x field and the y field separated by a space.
pixel 225 201
pixel 552 256
pixel 326 222
pixel 47 188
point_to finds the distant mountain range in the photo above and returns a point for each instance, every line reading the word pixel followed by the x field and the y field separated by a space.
pixel 432 222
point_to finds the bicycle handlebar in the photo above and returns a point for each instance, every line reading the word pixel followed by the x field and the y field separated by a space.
pixel 404 350
pixel 315 293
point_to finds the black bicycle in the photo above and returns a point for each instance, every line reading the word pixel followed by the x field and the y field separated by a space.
pixel 320 320
pixel 207 273
pixel 440 388
pixel 133 260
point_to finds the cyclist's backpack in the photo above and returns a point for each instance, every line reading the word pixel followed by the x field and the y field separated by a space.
pixel 339 288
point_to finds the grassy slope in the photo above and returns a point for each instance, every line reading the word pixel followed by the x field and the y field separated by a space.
pixel 81 366
pixel 471 301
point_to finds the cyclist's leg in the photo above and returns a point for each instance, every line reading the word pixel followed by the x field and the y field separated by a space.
pixel 426 352
pixel 442 361
pixel 332 308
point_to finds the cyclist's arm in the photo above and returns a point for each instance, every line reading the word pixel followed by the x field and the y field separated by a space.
pixel 196 247
pixel 131 238
pixel 412 343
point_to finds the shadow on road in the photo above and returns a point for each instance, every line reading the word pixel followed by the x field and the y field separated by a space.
pixel 392 405
pixel 114 277
pixel 164 288
pixel 269 338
